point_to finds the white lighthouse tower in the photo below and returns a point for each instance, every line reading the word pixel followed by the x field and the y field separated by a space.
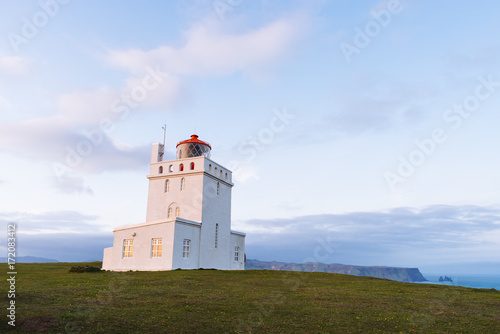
pixel 188 220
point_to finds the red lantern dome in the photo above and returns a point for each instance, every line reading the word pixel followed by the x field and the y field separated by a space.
pixel 193 148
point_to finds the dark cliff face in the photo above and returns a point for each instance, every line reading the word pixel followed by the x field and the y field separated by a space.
pixel 392 273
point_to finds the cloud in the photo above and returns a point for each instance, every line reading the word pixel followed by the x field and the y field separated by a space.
pixel 50 222
pixel 78 136
pixel 71 184
pixel 438 234
pixel 208 50
pixel 14 65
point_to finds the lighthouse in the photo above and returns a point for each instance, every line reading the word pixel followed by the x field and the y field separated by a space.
pixel 188 218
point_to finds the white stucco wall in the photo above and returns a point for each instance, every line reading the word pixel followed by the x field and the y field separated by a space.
pixel 142 259
pixel 237 239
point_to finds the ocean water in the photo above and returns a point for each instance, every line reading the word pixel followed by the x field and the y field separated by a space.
pixel 470 281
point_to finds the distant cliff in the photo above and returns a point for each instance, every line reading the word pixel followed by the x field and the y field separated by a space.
pixel 29 259
pixel 392 273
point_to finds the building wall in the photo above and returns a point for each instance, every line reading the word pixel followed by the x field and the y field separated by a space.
pixel 182 232
pixel 216 210
pixel 188 200
pixel 141 259
pixel 237 240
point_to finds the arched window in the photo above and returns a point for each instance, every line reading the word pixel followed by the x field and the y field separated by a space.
pixel 215 170
pixel 192 165
pixel 167 186
pixel 160 170
pixel 216 234
pixel 221 174
pixel 210 167
pixel 169 212
pixel 177 212
pixel 183 184
pixel 218 188
pixel 226 176
pixel 171 168
pixel 181 167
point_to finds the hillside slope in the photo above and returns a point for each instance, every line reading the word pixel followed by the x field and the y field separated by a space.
pixel 393 273
pixel 50 299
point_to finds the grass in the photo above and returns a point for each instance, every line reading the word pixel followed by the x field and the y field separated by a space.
pixel 50 299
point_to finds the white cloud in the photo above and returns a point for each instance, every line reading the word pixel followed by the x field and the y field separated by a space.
pixel 208 50
pixel 15 65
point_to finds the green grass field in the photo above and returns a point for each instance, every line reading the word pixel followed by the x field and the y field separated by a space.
pixel 49 299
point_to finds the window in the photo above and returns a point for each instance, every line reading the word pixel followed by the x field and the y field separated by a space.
pixel 171 168
pixel 215 170
pixel 192 166
pixel 226 176
pixel 236 254
pixel 128 247
pixel 181 167
pixel 160 170
pixel 177 212
pixel 186 248
pixel 210 167
pixel 218 188
pixel 169 212
pixel 221 174
pixel 183 184
pixel 156 247
pixel 167 186
pixel 216 234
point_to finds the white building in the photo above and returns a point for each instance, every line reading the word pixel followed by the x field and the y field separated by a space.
pixel 188 221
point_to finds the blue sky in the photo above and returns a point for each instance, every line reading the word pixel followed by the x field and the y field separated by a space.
pixel 358 132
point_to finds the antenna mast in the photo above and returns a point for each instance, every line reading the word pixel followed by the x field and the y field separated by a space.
pixel 164 133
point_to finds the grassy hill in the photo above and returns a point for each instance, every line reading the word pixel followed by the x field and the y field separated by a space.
pixel 49 299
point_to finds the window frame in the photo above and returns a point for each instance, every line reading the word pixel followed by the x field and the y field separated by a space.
pixel 156 247
pixel 216 234
pixel 186 248
pixel 236 253
pixel 128 248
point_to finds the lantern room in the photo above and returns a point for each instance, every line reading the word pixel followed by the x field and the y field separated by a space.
pixel 193 147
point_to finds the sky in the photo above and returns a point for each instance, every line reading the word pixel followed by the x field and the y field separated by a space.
pixel 358 132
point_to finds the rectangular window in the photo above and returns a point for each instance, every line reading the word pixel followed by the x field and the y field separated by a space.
pixel 186 248
pixel 156 247
pixel 236 253
pixel 216 234
pixel 128 247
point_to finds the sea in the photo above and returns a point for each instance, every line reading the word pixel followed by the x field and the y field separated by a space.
pixel 469 281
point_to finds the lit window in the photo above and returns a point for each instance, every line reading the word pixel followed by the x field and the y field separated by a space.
pixel 128 247
pixel 183 184
pixel 171 168
pixel 236 254
pixel 169 212
pixel 160 170
pixel 216 234
pixel 156 247
pixel 192 165
pixel 167 186
pixel 177 212
pixel 218 188
pixel 181 167
pixel 186 248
